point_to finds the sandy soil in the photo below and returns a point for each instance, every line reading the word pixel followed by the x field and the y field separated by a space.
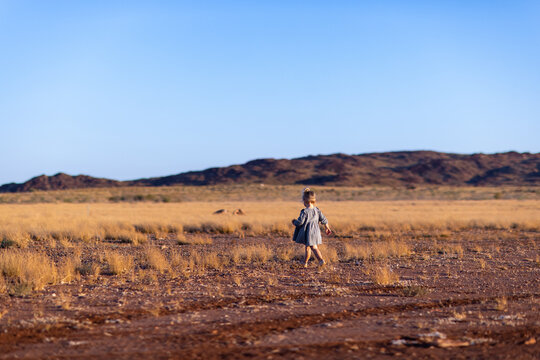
pixel 483 303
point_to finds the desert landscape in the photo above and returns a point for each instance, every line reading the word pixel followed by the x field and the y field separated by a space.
pixel 156 156
pixel 423 272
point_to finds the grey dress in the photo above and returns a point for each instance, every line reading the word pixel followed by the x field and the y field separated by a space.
pixel 307 230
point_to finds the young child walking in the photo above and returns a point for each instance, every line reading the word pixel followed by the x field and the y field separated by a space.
pixel 307 230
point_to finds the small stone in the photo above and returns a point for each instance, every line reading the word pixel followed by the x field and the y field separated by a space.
pixel 399 342
pixel 76 343
pixel 446 343
pixel 531 341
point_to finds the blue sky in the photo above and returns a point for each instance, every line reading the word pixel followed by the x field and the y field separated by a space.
pixel 131 89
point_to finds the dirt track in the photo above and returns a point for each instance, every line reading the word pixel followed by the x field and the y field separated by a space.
pixel 484 303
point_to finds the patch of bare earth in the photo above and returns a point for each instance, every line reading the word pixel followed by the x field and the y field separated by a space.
pixel 469 294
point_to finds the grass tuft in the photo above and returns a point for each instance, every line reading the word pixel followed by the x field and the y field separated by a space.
pixel 382 275
pixel 117 263
pixel 26 270
pixel 194 240
pixel 250 254
pixel 154 259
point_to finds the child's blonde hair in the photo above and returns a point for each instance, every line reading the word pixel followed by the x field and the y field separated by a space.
pixel 308 196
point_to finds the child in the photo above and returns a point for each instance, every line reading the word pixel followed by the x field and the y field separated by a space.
pixel 307 230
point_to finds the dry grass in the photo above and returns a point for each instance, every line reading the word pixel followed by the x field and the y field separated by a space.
pixel 285 253
pixel 14 238
pixel 26 270
pixel 382 275
pixel 175 258
pixel 415 290
pixel 329 253
pixel 175 194
pixel 355 252
pixel 153 258
pixel 501 304
pixel 379 249
pixel 117 263
pixel 481 263
pixel 131 223
pixel 386 249
pixel 455 249
pixel 68 269
pixel 248 254
pixel 203 261
pixel 238 280
pixel 3 285
pixel 88 269
pixel 162 229
pixel 194 240
pixel 28 229
pixel 123 232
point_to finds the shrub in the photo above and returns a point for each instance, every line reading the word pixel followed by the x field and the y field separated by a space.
pixel 25 270
pixel 117 263
pixel 68 269
pixel 382 275
pixel 285 253
pixel 88 269
pixel 124 234
pixel 329 254
pixel 194 240
pixel 250 254
pixel 355 252
pixel 385 249
pixel 210 260
pixel 153 258
pixel 14 239
pixel 415 290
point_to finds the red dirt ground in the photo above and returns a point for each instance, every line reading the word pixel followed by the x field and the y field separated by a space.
pixel 484 303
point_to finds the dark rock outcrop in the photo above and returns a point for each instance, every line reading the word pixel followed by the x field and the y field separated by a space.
pixel 394 169
pixel 405 168
pixel 59 181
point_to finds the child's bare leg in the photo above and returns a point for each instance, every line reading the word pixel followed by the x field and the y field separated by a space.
pixel 308 255
pixel 317 253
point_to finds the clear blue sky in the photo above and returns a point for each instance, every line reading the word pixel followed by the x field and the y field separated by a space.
pixel 130 89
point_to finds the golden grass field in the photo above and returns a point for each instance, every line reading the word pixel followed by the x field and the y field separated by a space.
pixel 262 192
pixel 42 226
pixel 120 221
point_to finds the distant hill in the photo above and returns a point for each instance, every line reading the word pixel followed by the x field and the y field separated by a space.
pixel 403 168
pixel 59 181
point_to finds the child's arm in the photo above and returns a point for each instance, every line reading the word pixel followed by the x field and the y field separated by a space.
pixel 328 230
pixel 301 219
pixel 323 220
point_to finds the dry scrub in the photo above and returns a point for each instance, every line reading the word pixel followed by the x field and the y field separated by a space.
pixel 24 271
pixel 113 233
pixel 134 223
pixel 118 264
pixel 250 254
pixel 382 274
pixel 153 258
pixel 379 249
pixel 194 240
pixel 258 192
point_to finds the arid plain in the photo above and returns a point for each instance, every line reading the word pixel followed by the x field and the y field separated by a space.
pixel 427 272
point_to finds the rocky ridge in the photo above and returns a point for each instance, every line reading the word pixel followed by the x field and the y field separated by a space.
pixel 404 168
